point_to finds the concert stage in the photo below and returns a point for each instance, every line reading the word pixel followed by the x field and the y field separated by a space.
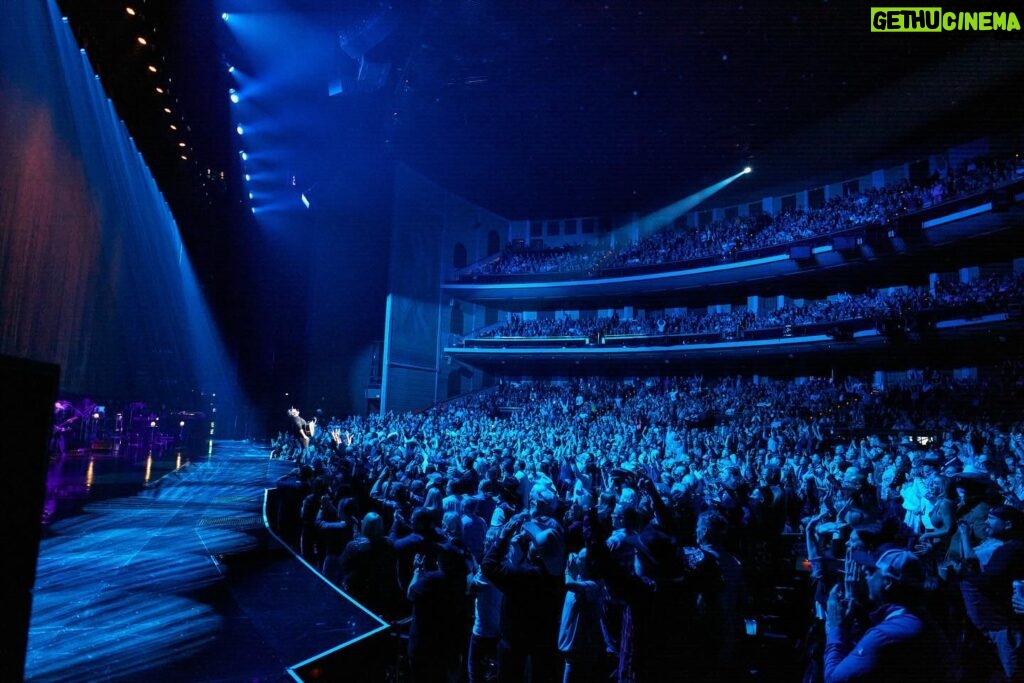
pixel 183 581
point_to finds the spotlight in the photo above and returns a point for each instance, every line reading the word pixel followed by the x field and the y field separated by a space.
pixel 174 127
pixel 245 157
pixel 141 40
pixel 231 69
pixel 181 144
pixel 304 200
pixel 233 95
pixel 160 90
pixel 250 195
pixel 239 129
pixel 247 177
pixel 225 16
pixel 748 170
pixel 167 110
pixel 254 209
pixel 130 11
pixel 152 68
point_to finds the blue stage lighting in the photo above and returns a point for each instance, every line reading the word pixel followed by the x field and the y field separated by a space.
pixel 231 69
pixel 239 129
pixel 305 201
pixel 748 170
pixel 245 157
pixel 247 177
pixel 250 195
pixel 225 16
pixel 233 95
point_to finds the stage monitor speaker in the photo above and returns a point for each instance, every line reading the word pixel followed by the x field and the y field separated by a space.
pixel 28 391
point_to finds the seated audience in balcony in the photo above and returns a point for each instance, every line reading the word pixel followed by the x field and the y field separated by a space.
pixel 725 240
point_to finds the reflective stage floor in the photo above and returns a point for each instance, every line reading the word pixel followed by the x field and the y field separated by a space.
pixel 182 581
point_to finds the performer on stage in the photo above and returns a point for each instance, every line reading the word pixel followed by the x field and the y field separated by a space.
pixel 303 430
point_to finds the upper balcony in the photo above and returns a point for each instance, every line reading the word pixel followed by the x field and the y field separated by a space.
pixel 958 230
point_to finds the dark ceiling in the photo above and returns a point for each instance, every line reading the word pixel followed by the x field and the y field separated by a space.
pixel 552 108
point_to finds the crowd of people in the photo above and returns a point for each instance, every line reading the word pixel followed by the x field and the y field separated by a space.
pixel 632 530
pixel 575 258
pixel 876 307
pixel 728 239
pixel 650 529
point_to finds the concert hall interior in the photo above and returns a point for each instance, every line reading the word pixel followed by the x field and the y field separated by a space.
pixel 467 340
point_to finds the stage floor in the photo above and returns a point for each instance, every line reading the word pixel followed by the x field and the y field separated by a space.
pixel 183 582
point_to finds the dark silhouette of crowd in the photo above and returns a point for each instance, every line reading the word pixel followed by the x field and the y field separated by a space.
pixel 640 530
pixel 727 240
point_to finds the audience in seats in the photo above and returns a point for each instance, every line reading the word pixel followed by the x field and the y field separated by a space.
pixel 871 309
pixel 726 240
pixel 629 530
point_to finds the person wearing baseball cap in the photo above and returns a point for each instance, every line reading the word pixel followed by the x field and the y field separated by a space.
pixel 902 644
pixel 988 588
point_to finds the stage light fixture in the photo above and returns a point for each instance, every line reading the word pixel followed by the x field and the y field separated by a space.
pixel 160 90
pixel 245 157
pixel 231 69
pixel 152 69
pixel 233 95
pixel 748 170
pixel 239 129
pixel 174 127
pixel 225 16
pixel 181 144
pixel 247 177
pixel 130 11
pixel 250 195
pixel 304 200
pixel 141 40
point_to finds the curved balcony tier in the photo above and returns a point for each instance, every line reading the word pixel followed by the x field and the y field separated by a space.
pixel 959 231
